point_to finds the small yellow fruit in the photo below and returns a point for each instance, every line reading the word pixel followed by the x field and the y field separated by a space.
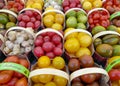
pixel 59 18
pixel 85 40
pixel 72 45
pixel 50 84
pixel 97 4
pixel 57 26
pixel 58 63
pixel 50 8
pixel 48 20
pixel 45 78
pixel 37 6
pixel 44 61
pixel 68 29
pixel 87 5
pixel 83 51
pixel 72 35
pixel 35 79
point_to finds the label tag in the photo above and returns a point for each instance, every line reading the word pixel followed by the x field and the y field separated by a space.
pixel 116 14
pixel 16 67
pixel 112 64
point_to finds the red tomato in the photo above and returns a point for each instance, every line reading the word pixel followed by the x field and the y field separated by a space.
pixel 88 78
pixel 14 59
pixel 24 62
pixel 12 81
pixel 22 82
pixel 18 75
pixel 5 76
pixel 114 74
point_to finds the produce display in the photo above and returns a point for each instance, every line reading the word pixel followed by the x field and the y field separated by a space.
pixel 59 42
pixel 18 41
pixel 15 5
pixel 68 4
pixel 112 5
pixel 8 19
pixel 90 4
pixel 30 18
pixel 53 3
pixel 76 18
pixel 77 43
pixel 98 16
pixel 36 4
pixel 107 45
pixel 49 43
pixel 56 19
pixel 9 75
pixel 51 78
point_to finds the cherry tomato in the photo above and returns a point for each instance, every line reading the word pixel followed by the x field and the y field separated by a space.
pixel 24 62
pixel 18 75
pixel 14 59
pixel 22 82
pixel 88 78
pixel 5 77
pixel 12 81
pixel 114 74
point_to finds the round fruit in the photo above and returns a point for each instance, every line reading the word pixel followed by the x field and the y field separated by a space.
pixel 48 20
pixel 77 84
pixel 88 78
pixel 35 79
pixel 74 64
pixel 59 18
pixel 97 3
pixel 72 45
pixel 72 35
pixel 44 61
pixel 58 62
pixel 60 81
pixel 57 26
pixel 45 78
pixel 86 61
pixel 87 5
pixel 85 40
pixel 38 84
pixel 50 84
pixel 83 51
pixel 47 46
pixel 38 51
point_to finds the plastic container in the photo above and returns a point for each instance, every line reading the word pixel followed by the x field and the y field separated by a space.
pixel 46 35
pixel 23 35
pixel 98 58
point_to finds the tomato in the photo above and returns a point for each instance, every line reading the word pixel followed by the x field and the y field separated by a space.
pixel 24 62
pixel 98 76
pixel 45 78
pixel 14 59
pixel 4 78
pixel 60 81
pixel 77 79
pixel 18 75
pixel 12 81
pixel 88 78
pixel 114 74
pixel 93 84
pixel 22 82
pixel 77 84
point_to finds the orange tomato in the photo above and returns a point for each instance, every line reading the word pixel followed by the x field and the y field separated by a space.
pixel 22 82
pixel 24 62
pixel 14 59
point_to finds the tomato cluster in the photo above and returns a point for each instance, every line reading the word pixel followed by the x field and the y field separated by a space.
pixel 29 19
pixel 15 5
pixel 112 5
pixel 67 4
pixel 49 44
pixel 13 78
pixel 2 4
pixel 99 17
